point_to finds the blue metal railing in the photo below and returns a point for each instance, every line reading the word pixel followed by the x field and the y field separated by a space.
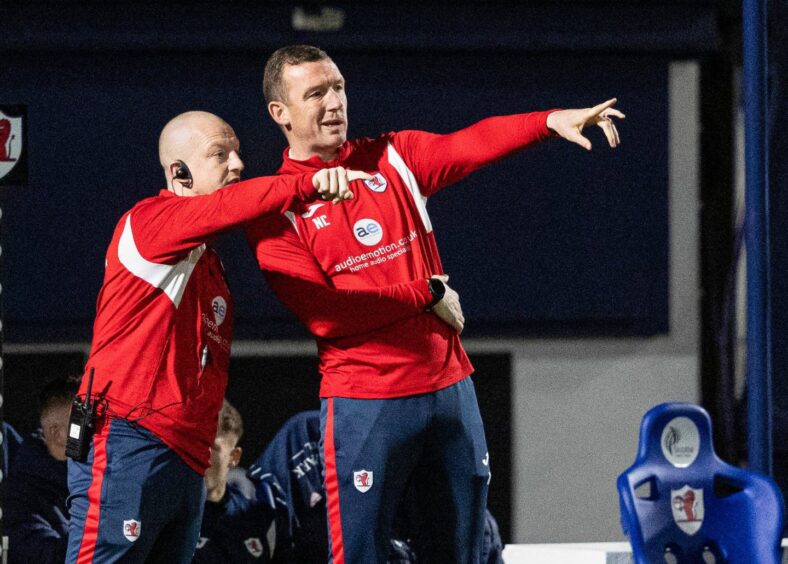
pixel 759 435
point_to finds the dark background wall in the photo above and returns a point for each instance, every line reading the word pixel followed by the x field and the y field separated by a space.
pixel 580 239
pixel 553 242
pixel 269 390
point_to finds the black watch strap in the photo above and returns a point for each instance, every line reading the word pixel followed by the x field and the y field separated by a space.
pixel 437 289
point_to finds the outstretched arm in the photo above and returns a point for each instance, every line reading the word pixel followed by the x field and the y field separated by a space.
pixel 164 228
pixel 439 160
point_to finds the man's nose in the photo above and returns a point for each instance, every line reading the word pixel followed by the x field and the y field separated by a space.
pixel 235 162
pixel 333 100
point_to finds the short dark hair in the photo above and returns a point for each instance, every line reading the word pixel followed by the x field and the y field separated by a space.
pixel 273 85
pixel 230 421
pixel 57 392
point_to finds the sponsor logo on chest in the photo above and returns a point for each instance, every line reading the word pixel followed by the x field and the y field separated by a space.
pixel 213 320
pixel 219 307
pixel 368 232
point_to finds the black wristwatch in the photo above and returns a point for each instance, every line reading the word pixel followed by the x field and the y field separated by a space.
pixel 437 289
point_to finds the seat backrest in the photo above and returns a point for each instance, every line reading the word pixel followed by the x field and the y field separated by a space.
pixel 681 504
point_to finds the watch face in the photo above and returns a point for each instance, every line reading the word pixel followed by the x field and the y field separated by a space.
pixel 437 289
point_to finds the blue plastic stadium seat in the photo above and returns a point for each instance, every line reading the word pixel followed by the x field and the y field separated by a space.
pixel 681 504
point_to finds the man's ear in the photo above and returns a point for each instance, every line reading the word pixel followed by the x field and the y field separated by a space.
pixel 235 457
pixel 174 166
pixel 279 113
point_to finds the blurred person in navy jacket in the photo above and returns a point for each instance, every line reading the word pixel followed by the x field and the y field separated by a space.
pixel 235 528
pixel 37 516
pixel 290 465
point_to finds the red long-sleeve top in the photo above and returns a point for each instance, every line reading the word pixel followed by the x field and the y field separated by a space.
pixel 161 338
pixel 381 241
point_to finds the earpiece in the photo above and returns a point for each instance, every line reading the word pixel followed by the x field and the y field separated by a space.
pixel 183 175
pixel 182 172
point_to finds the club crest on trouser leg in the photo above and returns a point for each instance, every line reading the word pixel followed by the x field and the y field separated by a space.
pixel 132 529
pixel 362 479
pixel 687 507
pixel 254 546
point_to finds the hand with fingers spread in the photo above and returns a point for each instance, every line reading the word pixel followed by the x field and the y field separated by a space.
pixel 569 124
pixel 448 308
pixel 334 183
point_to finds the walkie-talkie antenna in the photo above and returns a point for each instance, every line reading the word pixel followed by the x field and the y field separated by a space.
pixel 90 386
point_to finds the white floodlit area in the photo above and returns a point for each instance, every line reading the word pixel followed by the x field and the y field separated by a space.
pixel 578 553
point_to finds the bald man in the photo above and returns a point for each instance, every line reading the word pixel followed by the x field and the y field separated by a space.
pixel 161 347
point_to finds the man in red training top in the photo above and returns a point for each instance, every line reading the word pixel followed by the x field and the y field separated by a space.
pixel 161 346
pixel 398 404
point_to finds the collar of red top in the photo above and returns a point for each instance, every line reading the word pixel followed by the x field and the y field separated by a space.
pixel 290 165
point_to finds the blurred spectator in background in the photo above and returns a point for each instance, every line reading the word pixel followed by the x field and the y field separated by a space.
pixel 492 544
pixel 36 517
pixel 235 528
pixel 236 477
pixel 291 466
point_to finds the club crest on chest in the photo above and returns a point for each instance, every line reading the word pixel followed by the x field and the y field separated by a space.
pixel 377 183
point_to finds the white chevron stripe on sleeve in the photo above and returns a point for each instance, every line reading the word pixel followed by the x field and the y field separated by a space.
pixel 170 278
pixel 291 216
pixel 410 181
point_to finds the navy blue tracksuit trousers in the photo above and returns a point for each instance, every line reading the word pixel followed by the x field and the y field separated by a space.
pixel 373 449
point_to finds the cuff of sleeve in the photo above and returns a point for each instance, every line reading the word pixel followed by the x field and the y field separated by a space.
pixel 423 293
pixel 306 189
pixel 549 133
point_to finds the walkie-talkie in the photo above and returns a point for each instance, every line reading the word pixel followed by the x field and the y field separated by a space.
pixel 81 425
